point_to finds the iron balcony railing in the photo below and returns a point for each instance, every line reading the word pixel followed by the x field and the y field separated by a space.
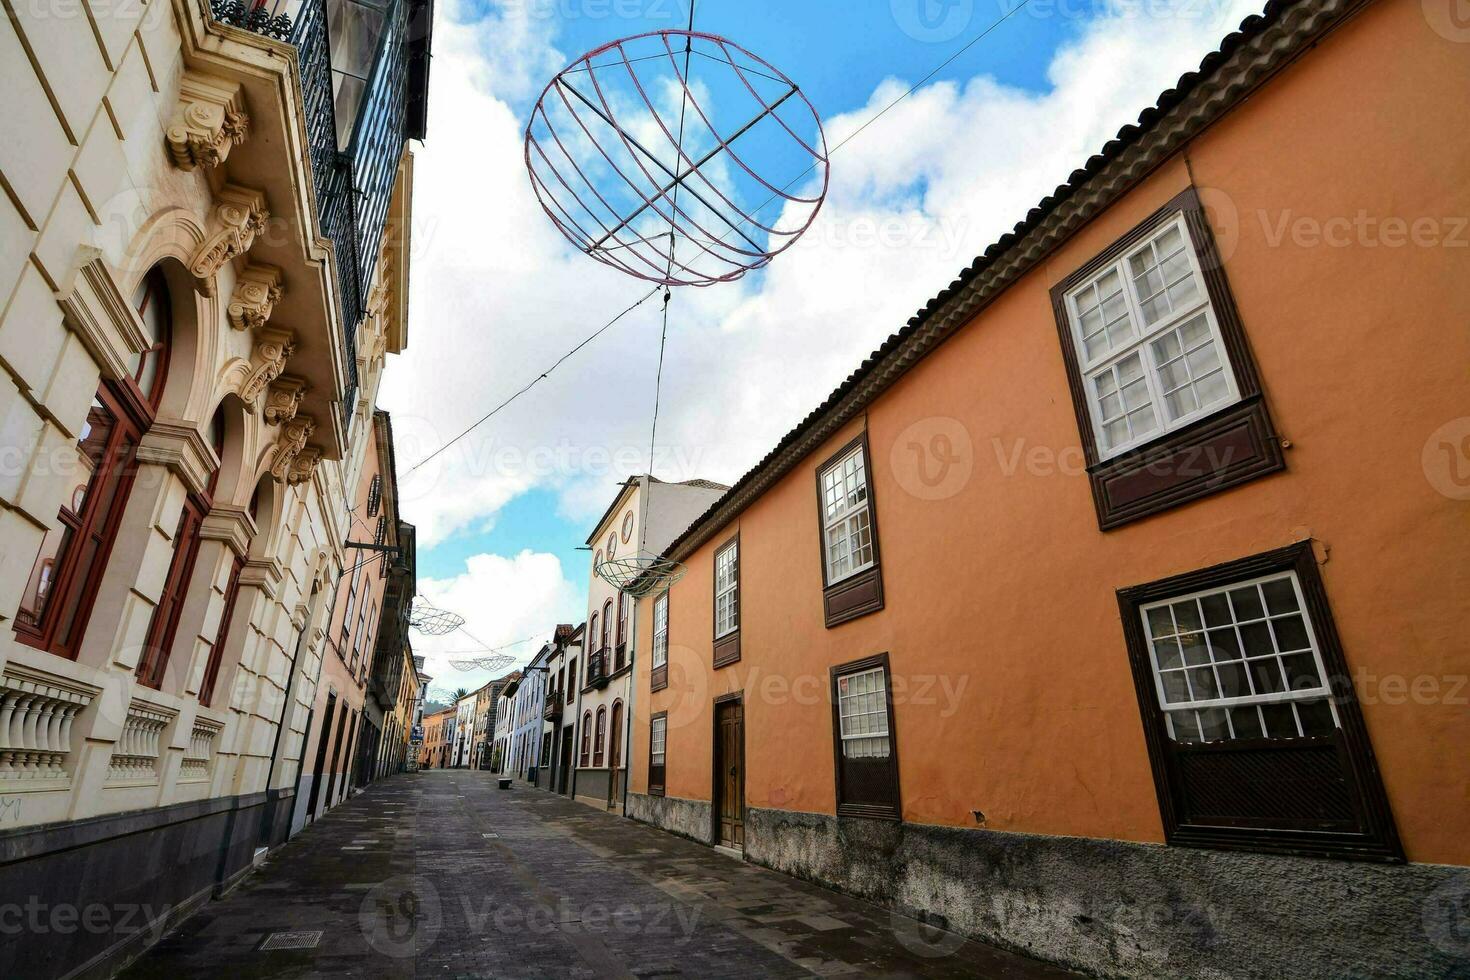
pixel 597 668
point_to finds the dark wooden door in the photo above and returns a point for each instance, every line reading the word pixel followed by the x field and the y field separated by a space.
pixel 566 759
pixel 730 772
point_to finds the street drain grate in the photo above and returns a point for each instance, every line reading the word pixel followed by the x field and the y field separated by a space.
pixel 496 836
pixel 292 940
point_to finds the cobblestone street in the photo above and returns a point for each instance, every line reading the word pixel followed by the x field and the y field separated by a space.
pixel 441 874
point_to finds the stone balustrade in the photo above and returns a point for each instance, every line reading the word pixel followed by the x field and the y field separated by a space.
pixel 135 755
pixel 200 751
pixel 35 726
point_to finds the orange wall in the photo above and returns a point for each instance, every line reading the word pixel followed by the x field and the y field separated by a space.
pixel 336 676
pixel 1008 587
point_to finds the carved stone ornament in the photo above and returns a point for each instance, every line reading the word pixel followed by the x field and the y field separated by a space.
pixel 290 445
pixel 283 399
pixel 208 121
pixel 239 216
pixel 272 349
pixel 257 291
pixel 304 465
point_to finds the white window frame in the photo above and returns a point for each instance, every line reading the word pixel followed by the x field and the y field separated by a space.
pixel 1320 692
pixel 658 734
pixel 1142 339
pixel 661 630
pixel 842 717
pixel 727 586
pixel 832 520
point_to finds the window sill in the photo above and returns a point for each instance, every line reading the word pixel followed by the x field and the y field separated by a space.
pixel 727 649
pixel 857 595
pixel 1223 450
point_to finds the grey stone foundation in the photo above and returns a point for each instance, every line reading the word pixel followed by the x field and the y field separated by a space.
pixel 1118 909
pixel 687 818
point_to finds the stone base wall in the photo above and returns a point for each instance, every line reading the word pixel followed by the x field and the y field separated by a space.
pixel 591 786
pixel 89 895
pixel 1119 909
pixel 687 818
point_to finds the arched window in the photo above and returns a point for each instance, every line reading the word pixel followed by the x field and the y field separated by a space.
pixel 150 368
pixel 607 615
pixel 615 738
pixel 622 626
pixel 586 738
pixel 593 633
pixel 68 570
pixel 597 749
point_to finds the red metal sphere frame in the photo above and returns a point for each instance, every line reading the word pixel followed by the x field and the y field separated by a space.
pixel 567 193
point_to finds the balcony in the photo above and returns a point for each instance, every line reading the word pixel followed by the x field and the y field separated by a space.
pixel 363 75
pixel 620 657
pixel 597 668
pixel 554 705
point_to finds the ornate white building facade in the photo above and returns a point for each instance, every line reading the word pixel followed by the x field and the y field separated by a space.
pixel 192 328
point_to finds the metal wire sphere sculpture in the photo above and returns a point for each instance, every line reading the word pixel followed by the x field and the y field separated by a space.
pixel 430 621
pixel 494 662
pixel 639 167
pixel 641 576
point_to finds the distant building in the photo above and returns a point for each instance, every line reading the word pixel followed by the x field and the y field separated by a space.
pixel 644 516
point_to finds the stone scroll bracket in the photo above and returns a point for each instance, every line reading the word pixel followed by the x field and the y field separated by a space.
pixel 267 362
pixel 283 399
pixel 239 215
pixel 208 121
pixel 257 291
pixel 292 461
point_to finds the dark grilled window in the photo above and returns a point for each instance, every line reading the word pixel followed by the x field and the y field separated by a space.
pixel 658 730
pixel 865 746
pixel 1254 731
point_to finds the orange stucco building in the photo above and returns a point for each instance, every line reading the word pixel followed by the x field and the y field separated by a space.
pixel 1121 595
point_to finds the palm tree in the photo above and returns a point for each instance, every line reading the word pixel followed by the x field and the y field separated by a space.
pixel 459 693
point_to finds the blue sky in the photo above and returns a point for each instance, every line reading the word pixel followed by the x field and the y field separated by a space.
pixel 497 295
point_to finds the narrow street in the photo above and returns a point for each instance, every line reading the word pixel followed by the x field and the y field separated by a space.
pixel 441 873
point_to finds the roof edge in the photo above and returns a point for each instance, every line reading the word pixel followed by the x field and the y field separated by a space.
pixel 1263 45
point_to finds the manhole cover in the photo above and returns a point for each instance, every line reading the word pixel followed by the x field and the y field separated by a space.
pixel 292 940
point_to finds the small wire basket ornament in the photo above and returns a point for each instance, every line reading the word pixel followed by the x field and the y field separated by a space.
pixel 431 621
pixel 660 154
pixel 641 576
pixel 492 663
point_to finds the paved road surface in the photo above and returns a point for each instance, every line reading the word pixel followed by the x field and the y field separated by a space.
pixel 441 874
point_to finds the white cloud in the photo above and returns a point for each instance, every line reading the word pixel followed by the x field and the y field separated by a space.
pixel 503 600
pixel 498 295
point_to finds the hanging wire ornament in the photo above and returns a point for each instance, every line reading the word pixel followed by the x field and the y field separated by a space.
pixel 641 575
pixel 494 662
pixel 430 621
pixel 608 152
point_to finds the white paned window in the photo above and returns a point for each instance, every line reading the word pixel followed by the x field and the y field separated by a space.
pixel 727 598
pixel 657 734
pixel 1148 343
pixel 661 630
pixel 847 532
pixel 1239 662
pixel 862 711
